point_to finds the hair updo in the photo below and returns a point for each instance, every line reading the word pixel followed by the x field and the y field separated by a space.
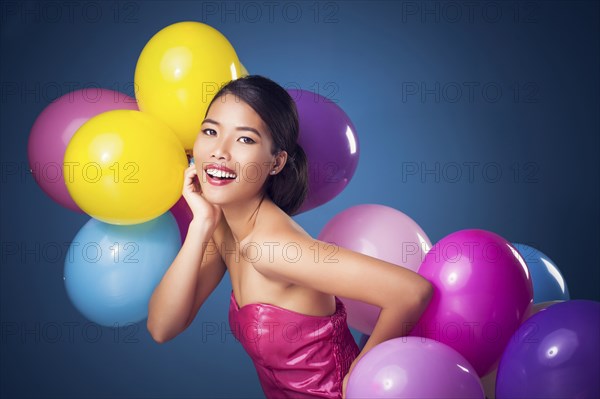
pixel 288 188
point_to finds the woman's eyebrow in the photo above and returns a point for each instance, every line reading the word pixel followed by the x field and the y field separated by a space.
pixel 243 128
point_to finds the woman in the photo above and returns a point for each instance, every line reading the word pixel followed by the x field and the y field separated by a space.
pixel 250 176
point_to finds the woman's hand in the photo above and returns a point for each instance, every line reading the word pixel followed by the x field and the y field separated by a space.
pixel 203 211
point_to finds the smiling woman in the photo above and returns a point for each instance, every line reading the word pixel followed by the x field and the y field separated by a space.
pixel 231 140
pixel 249 178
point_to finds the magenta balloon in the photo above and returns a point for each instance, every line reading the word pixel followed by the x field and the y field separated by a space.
pixel 53 129
pixel 329 140
pixel 413 367
pixel 482 292
pixel 383 233
pixel 183 215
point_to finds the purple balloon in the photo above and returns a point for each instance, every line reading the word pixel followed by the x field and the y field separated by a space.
pixel 53 129
pixel 413 367
pixel 482 292
pixel 329 140
pixel 384 233
pixel 554 354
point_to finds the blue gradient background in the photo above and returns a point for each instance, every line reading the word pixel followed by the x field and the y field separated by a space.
pixel 365 55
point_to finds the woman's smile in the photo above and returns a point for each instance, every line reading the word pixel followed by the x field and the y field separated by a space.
pixel 219 175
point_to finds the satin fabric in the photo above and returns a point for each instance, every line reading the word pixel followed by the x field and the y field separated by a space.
pixel 295 355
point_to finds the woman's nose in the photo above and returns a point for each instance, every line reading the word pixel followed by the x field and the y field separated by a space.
pixel 220 152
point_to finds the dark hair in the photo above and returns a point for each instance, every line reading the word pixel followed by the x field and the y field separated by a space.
pixel 277 109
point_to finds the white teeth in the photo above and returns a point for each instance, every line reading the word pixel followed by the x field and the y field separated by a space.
pixel 220 173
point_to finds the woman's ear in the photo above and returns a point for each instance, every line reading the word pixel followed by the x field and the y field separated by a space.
pixel 280 160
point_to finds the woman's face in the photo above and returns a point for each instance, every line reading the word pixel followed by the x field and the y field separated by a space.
pixel 234 137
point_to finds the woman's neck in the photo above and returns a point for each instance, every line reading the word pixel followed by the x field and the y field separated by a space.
pixel 241 217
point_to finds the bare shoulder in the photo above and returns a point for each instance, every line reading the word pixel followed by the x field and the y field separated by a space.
pixel 282 250
pixel 273 224
pixel 275 235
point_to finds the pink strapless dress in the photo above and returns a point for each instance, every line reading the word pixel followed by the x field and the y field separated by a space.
pixel 295 355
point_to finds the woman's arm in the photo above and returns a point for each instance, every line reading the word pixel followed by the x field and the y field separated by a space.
pixel 401 293
pixel 193 275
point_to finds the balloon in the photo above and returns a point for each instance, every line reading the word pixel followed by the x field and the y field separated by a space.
pixel 329 140
pixel 413 367
pixel 482 291
pixel 183 215
pixel 178 73
pixel 124 167
pixel 548 282
pixel 489 381
pixel 54 127
pixel 383 233
pixel 111 271
pixel 554 354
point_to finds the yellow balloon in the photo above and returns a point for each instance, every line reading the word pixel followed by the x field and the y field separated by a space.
pixel 124 167
pixel 179 72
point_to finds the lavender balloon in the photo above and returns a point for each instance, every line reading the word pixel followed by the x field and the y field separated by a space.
pixel 413 367
pixel 329 140
pixel 53 129
pixel 554 354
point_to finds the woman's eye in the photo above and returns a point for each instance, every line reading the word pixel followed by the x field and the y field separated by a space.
pixel 247 140
pixel 208 130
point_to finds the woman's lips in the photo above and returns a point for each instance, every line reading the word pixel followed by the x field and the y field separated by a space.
pixel 217 182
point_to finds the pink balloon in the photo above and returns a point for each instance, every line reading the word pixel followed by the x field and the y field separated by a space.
pixel 383 233
pixel 413 367
pixel 53 129
pixel 482 292
pixel 183 215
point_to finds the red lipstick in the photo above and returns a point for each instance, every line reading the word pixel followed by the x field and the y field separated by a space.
pixel 219 175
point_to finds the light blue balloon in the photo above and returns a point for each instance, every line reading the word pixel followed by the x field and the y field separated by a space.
pixel 548 282
pixel 111 270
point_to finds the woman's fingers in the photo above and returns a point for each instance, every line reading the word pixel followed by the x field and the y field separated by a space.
pixel 188 182
pixel 189 175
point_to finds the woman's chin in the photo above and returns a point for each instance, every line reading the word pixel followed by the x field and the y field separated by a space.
pixel 215 198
